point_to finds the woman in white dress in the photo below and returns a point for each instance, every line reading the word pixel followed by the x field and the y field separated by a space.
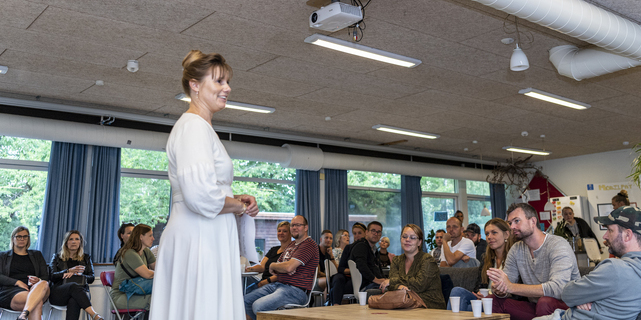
pixel 198 272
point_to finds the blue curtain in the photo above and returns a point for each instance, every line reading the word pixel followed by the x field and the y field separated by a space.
pixel 104 205
pixel 63 195
pixel 336 205
pixel 411 207
pixel 497 200
pixel 308 200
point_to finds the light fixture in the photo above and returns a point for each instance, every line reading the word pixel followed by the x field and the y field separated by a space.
pixel 361 50
pixel 518 61
pixel 234 105
pixel 549 206
pixel 485 212
pixel 549 97
pixel 527 150
pixel 3 69
pixel 407 132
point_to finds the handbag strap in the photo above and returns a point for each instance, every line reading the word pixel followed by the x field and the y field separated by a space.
pixel 122 266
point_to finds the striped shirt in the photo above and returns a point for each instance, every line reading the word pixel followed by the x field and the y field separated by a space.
pixel 306 252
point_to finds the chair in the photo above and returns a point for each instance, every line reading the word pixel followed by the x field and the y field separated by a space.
pixel 8 314
pixel 309 298
pixel 61 309
pixel 472 263
pixel 592 249
pixel 107 279
pixel 357 278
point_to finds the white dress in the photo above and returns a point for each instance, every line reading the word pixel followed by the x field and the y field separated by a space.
pixel 198 266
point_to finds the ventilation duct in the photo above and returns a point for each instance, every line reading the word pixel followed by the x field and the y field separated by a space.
pixel 585 22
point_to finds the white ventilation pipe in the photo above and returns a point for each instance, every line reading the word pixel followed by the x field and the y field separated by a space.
pixel 585 22
pixel 580 64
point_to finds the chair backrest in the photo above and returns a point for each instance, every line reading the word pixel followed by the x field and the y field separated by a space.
pixel 357 278
pixel 309 294
pixel 592 249
pixel 470 264
pixel 107 278
pixel 330 270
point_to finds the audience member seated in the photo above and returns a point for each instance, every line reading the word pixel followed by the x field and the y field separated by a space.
pixel 71 274
pixel 438 240
pixel 416 270
pixel 123 235
pixel 285 238
pixel 23 277
pixel 545 263
pixel 340 242
pixel 576 227
pixel 611 290
pixel 459 215
pixel 364 255
pixel 473 232
pixel 383 255
pixel 500 240
pixel 295 274
pixel 132 260
pixel 456 247
pixel 342 282
pixel 325 252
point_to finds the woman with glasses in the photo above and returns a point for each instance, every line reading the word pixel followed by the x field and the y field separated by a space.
pixel 23 277
pixel 416 270
pixel 72 272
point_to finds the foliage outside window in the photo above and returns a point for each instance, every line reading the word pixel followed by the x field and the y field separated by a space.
pixel 431 206
pixel 24 149
pixel 143 159
pixel 474 208
pixel 431 184
pixel 480 188
pixel 373 179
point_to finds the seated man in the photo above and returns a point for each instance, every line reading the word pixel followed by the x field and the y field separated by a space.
pixel 295 274
pixel 325 253
pixel 473 232
pixel 611 290
pixel 364 255
pixel 341 282
pixel 545 263
pixel 456 247
pixel 438 240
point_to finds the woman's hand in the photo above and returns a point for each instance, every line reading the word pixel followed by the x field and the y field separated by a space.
pixel 33 280
pixel 67 275
pixel 478 295
pixel 250 201
pixel 21 285
pixel 384 285
pixel 402 287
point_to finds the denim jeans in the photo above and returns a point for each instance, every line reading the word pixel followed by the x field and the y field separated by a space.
pixel 466 297
pixel 272 296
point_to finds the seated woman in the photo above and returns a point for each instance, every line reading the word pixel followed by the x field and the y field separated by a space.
pixel 499 241
pixel 123 235
pixel 134 259
pixel 340 242
pixel 416 270
pixel 73 264
pixel 23 277
pixel 285 238
pixel 383 256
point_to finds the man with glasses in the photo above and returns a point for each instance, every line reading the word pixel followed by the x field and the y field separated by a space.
pixel 295 274
pixel 364 255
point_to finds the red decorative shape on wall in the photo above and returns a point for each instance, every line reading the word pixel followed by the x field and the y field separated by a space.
pixel 541 183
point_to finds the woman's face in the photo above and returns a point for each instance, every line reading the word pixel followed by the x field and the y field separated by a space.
pixel 410 241
pixel 73 244
pixel 384 243
pixel 213 91
pixel 495 237
pixel 617 204
pixel 127 234
pixel 147 239
pixel 21 239
pixel 283 234
pixel 358 234
pixel 345 238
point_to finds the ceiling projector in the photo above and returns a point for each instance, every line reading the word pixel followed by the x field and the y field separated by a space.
pixel 335 16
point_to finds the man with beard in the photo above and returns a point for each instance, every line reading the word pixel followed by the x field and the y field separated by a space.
pixel 473 233
pixel 611 290
pixel 294 270
pixel 545 263
pixel 438 240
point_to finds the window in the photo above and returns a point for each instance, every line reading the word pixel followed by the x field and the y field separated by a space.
pixel 436 211
pixel 478 197
pixel 430 184
pixel 480 188
pixel 376 196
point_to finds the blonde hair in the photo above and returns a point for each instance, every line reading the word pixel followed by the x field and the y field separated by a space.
pixel 283 224
pixel 197 65
pixel 20 229
pixel 65 254
pixel 339 234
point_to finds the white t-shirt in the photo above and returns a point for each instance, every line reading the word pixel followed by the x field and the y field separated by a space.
pixel 465 245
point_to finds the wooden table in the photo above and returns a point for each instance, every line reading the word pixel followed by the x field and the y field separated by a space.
pixel 355 311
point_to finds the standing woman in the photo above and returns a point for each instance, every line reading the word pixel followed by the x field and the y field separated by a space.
pixel 23 277
pixel 198 274
pixel 340 242
pixel 72 263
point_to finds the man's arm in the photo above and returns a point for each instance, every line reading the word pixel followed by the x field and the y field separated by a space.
pixel 596 285
pixel 452 257
pixel 288 266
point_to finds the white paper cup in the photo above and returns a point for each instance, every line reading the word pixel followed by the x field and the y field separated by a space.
pixel 456 303
pixel 477 308
pixel 362 298
pixel 487 305
pixel 485 292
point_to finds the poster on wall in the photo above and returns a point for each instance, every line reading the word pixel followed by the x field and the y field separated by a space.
pixel 600 200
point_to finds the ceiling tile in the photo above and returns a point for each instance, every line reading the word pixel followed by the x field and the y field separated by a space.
pixel 19 13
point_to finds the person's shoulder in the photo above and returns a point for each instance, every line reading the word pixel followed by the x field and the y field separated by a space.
pixel 35 253
pixel 467 242
pixel 310 243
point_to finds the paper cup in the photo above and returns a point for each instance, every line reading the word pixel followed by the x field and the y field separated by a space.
pixel 477 308
pixel 487 305
pixel 362 298
pixel 485 292
pixel 455 302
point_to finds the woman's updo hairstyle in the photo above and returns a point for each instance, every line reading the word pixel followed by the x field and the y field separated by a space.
pixel 622 197
pixel 196 65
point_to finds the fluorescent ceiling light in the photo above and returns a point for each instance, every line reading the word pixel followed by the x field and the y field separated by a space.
pixel 549 97
pixel 363 51
pixel 234 105
pixel 527 150
pixel 407 132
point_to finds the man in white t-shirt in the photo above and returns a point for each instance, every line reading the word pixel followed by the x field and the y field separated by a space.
pixel 455 246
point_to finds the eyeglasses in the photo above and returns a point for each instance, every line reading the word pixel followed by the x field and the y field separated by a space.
pixel 413 238
pixel 22 237
pixel 297 225
pixel 376 231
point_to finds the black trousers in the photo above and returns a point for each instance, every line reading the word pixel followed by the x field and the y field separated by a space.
pixel 71 295
pixel 340 285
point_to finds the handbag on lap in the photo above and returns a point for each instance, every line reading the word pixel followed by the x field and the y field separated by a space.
pixel 398 299
pixel 79 279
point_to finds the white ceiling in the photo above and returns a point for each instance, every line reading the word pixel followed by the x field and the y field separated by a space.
pixel 463 90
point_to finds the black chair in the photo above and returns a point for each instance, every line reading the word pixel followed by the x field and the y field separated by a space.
pixel 446 286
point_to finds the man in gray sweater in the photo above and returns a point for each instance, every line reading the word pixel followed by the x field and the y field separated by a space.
pixel 545 263
pixel 611 290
